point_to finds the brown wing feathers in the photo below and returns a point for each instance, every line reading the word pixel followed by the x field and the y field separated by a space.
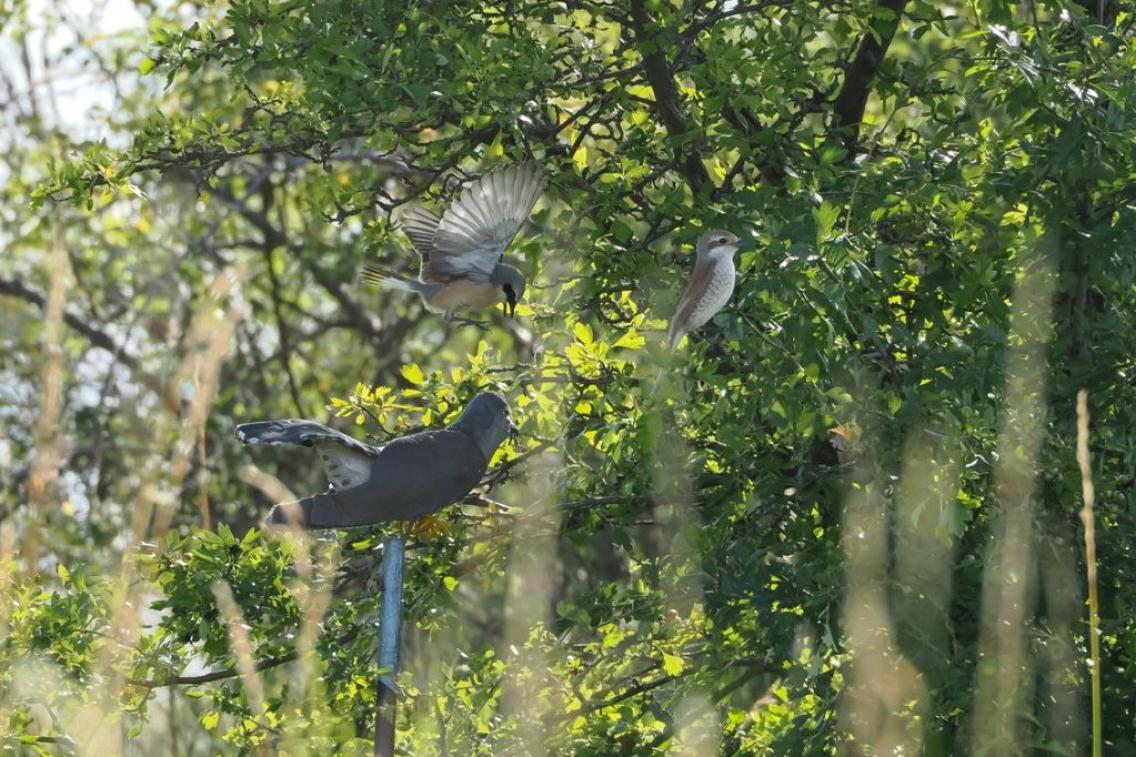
pixel 695 288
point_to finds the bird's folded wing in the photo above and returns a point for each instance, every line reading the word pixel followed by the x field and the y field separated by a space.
pixel 474 231
pixel 302 432
pixel 691 297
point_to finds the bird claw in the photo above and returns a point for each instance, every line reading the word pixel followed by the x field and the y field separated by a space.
pixel 467 321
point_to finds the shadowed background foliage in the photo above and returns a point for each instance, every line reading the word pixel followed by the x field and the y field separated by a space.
pixel 847 524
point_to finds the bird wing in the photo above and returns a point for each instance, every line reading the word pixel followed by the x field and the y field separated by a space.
pixel 695 288
pixel 346 461
pixel 474 231
pixel 301 432
pixel 412 476
pixel 419 224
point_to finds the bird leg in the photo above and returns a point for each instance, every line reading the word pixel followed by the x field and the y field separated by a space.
pixel 448 316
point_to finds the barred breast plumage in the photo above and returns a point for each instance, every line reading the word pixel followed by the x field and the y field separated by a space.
pixel 717 293
pixel 710 285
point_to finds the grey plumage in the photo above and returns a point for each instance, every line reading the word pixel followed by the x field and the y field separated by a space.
pixel 403 479
pixel 420 225
pixel 472 234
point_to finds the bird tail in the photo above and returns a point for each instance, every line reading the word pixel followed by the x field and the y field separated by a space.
pixel 372 274
pixel 296 514
pixel 666 366
pixel 347 508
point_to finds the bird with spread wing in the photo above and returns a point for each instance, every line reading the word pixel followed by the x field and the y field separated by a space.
pixel 403 480
pixel 462 250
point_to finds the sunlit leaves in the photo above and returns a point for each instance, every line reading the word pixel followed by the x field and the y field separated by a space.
pixel 874 311
pixel 673 665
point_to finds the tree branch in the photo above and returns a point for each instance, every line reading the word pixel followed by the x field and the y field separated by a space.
pixel 268 249
pixel 220 675
pixel 216 675
pixel 501 472
pixel 272 236
pixel 98 338
pixel 724 11
pixel 591 502
pixel 755 664
pixel 668 102
pixel 848 108
pixel 631 691
pixel 380 337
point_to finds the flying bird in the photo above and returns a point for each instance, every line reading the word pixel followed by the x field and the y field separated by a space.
pixel 710 286
pixel 462 251
pixel 404 479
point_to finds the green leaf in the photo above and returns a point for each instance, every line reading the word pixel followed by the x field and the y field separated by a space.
pixel 825 217
pixel 583 334
pixel 630 340
pixel 412 373
pixel 580 158
pixel 672 665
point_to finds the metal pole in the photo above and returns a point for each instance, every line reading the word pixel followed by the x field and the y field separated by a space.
pixel 390 632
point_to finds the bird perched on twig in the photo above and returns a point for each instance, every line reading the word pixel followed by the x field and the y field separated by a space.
pixel 710 286
pixel 462 250
pixel 404 479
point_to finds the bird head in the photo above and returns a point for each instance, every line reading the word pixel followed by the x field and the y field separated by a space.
pixel 717 240
pixel 487 420
pixel 511 282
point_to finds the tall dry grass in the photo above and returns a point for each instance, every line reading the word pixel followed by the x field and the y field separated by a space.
pixel 175 427
pixel 1087 518
pixel 45 463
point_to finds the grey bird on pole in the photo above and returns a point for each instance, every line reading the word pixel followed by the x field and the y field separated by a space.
pixel 404 479
pixel 462 251
pixel 710 286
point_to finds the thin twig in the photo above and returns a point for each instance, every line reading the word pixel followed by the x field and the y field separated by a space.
pixel 220 675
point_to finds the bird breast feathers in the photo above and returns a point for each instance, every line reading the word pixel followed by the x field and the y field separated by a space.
pixel 710 286
pixel 463 293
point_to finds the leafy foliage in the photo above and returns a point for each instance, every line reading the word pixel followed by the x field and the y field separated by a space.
pixel 798 545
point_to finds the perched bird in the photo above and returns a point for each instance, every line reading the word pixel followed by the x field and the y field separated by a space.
pixel 710 286
pixel 462 251
pixel 404 479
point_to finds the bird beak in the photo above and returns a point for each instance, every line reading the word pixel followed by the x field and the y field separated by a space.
pixel 511 307
pixel 514 432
